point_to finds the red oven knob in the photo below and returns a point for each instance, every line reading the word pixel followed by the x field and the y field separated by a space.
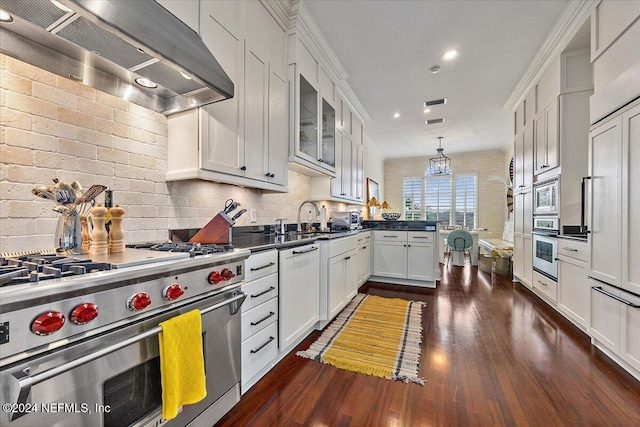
pixel 172 292
pixel 47 323
pixel 227 274
pixel 137 302
pixel 84 313
pixel 215 278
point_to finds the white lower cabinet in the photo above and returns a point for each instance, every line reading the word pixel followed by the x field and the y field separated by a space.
pixel 364 256
pixel 299 293
pixel 339 274
pixel 573 291
pixel 615 322
pixel 409 257
pixel 545 286
pixel 259 316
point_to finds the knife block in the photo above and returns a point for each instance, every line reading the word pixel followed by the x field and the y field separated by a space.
pixel 218 230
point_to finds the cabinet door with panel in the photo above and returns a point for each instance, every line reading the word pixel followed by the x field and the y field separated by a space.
pixel 420 261
pixel 546 139
pixel 605 153
pixel 299 272
pixel 337 284
pixel 351 274
pixel 390 259
pixel 364 258
pixel 630 330
pixel 222 141
pixel 278 164
pixel 573 291
pixel 605 315
pixel 256 79
pixel 631 200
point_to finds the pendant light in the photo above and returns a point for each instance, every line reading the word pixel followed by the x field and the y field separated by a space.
pixel 440 164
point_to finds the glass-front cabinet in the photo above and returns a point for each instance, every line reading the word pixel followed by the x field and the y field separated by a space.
pixel 314 134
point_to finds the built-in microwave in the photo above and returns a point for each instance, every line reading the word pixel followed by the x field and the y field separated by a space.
pixel 545 197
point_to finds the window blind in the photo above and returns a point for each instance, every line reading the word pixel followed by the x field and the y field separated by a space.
pixel 412 196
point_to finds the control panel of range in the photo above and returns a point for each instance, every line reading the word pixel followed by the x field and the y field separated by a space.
pixel 41 325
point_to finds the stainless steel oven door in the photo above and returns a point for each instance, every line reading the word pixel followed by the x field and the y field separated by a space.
pixel 122 388
pixel 545 198
pixel 545 255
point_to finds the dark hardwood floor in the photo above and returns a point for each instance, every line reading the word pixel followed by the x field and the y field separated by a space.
pixel 493 355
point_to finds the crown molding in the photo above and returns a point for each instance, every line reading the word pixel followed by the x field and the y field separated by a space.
pixel 281 10
pixel 573 16
pixel 304 26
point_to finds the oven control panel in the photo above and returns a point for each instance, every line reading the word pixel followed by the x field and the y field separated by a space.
pixel 41 326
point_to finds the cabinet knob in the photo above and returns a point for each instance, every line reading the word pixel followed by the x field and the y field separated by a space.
pixel 320 160
pixel 272 175
pixel 243 168
pixel 267 174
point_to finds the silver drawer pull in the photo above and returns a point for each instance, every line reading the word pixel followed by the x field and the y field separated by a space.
pixel 542 283
pixel 615 297
pixel 271 313
pixel 305 252
pixel 262 346
pixel 264 266
pixel 271 288
pixel 570 249
pixel 395 237
pixel 420 237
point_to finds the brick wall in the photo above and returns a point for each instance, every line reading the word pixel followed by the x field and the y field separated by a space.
pixel 55 127
pixel 491 195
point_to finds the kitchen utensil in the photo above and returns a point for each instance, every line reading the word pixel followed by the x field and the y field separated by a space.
pixel 91 193
pixel 64 192
pixel 238 215
pixel 68 237
pixel 65 210
pixel 44 192
pixel 230 206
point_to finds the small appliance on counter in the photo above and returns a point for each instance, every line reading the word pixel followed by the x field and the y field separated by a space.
pixel 345 220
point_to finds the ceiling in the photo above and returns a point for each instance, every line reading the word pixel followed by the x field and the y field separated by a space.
pixel 388 47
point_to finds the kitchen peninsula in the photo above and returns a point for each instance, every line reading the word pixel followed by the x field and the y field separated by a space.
pixel 405 252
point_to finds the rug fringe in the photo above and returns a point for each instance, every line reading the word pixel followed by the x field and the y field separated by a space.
pixel 406 379
pixel 308 354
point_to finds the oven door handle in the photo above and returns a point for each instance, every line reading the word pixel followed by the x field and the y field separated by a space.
pixel 20 383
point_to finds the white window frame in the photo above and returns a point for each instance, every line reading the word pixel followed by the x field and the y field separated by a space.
pixel 423 180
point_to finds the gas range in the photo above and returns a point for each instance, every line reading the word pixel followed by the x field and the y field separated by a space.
pixel 48 301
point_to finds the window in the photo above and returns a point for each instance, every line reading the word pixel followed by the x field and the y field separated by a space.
pixel 451 199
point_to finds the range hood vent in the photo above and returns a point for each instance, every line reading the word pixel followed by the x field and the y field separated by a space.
pixel 109 44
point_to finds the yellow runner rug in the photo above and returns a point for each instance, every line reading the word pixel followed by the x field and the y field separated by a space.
pixel 375 336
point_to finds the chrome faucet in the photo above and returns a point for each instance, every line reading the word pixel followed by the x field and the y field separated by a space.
pixel 299 228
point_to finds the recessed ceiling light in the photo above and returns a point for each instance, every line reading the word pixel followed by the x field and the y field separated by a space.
pixel 146 83
pixel 5 16
pixel 61 6
pixel 185 75
pixel 427 110
pixel 434 69
pixel 451 54
pixel 396 115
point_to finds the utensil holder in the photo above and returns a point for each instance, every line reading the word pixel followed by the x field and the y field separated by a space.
pixel 68 236
pixel 218 230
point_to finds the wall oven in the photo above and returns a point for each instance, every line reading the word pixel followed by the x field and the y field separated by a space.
pixel 545 254
pixel 545 197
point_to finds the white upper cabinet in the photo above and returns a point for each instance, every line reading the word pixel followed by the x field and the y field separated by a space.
pixel 242 140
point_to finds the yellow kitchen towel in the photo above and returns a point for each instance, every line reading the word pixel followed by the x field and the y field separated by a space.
pixel 181 363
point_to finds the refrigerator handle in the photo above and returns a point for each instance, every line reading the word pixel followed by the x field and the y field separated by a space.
pixel 583 182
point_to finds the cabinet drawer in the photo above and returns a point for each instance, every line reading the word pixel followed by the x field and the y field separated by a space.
pixel 259 291
pixel 545 285
pixel 390 236
pixel 261 264
pixel 573 249
pixel 258 351
pixel 421 237
pixel 259 317
pixel 340 246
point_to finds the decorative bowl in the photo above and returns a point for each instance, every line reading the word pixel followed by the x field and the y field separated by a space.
pixel 391 216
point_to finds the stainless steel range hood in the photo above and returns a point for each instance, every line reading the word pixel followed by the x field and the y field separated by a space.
pixel 109 44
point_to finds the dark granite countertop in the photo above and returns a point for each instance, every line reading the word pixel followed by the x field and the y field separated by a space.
pixel 401 225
